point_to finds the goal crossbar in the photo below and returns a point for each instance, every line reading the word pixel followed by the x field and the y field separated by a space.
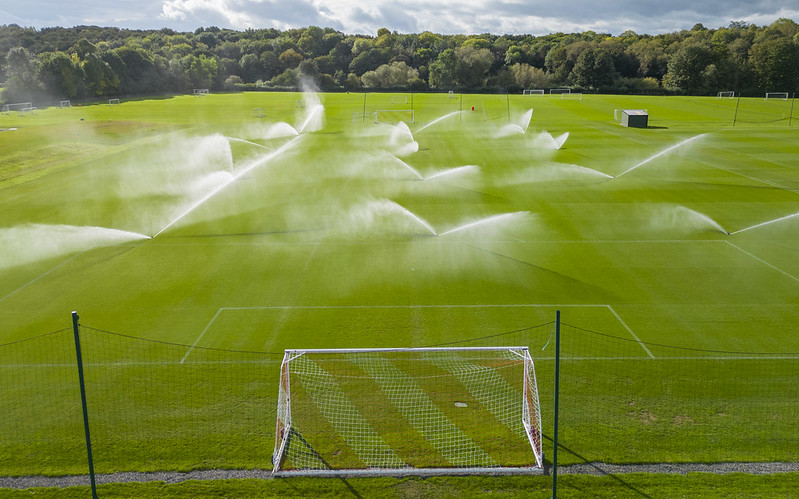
pixel 407 411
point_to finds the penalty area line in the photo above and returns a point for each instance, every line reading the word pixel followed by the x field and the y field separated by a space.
pixel 635 336
pixel 207 327
pixel 786 274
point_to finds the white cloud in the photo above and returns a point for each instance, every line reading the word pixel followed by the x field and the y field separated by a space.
pixel 535 17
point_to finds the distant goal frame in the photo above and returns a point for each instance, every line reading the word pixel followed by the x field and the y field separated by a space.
pixel 354 400
pixel 777 96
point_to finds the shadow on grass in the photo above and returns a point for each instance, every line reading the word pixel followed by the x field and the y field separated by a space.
pixel 310 450
pixel 597 467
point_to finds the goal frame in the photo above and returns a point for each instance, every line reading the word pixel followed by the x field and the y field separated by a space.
pixel 776 96
pixel 201 92
pixel 64 104
pixel 726 94
pixel 534 91
pixel 113 102
pixel 528 399
pixel 394 111
pixel 558 91
pixel 22 107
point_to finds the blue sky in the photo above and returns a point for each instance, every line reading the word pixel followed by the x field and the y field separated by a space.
pixel 535 17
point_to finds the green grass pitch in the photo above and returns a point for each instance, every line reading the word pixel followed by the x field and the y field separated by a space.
pixel 283 221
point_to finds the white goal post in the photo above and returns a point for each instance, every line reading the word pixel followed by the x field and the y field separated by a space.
pixel 64 104
pixel 555 91
pixel 200 92
pixel 777 95
pixel 399 99
pixel 19 106
pixel 113 102
pixel 394 116
pixel 408 411
pixel 726 94
pixel 533 91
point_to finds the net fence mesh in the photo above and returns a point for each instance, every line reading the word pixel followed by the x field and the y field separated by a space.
pixel 159 406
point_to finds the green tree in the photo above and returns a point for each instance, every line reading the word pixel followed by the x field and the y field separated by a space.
pixel 251 68
pixel 442 70
pixel 61 75
pixel 526 76
pixel 21 68
pixel 594 69
pixel 471 66
pixel 775 64
pixel 687 67
pixel 100 78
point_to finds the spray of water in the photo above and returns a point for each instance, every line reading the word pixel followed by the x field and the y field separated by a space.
pixel 682 217
pixel 439 119
pixel 229 180
pixel 661 153
pixel 401 140
pixel 769 222
pixel 383 214
pixel 25 244
pixel 551 172
pixel 545 140
pixel 492 220
pixel 313 118
pixel 409 167
pixel 458 170
pixel 243 141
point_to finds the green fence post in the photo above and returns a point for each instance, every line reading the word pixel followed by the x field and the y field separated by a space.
pixel 557 392
pixel 83 404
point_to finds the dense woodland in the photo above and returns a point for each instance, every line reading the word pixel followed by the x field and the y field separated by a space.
pixel 88 62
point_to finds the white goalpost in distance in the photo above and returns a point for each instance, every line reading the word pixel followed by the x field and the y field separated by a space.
pixel 408 411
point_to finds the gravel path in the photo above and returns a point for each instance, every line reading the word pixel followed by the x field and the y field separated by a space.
pixel 25 482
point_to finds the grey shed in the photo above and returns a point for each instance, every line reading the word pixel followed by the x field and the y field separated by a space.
pixel 636 118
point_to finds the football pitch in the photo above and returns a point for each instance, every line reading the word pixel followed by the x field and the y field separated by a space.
pixel 259 222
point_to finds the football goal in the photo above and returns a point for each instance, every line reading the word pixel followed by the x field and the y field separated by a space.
pixel 113 102
pixel 200 92
pixel 776 96
pixel 408 411
pixel 555 91
pixel 399 99
pixel 64 104
pixel 451 94
pixel 533 91
pixel 22 107
pixel 726 95
pixel 394 116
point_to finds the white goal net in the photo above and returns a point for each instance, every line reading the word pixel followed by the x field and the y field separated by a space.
pixel 200 92
pixel 408 411
pixel 726 94
pixel 533 91
pixel 777 95
pixel 394 116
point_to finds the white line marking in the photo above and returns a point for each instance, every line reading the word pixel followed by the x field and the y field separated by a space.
pixel 207 326
pixel 763 261
pixel 630 331
pixel 43 275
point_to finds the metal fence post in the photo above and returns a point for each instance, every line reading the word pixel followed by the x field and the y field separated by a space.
pixel 83 404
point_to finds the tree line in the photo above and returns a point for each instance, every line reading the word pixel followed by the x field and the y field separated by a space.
pixel 88 62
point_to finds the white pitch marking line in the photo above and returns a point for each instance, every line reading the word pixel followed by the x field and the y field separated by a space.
pixel 41 276
pixel 630 331
pixel 763 261
pixel 207 327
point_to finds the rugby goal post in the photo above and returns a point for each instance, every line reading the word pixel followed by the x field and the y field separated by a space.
pixel 776 96
pixel 726 95
pixel 533 91
pixel 408 411
pixel 394 116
